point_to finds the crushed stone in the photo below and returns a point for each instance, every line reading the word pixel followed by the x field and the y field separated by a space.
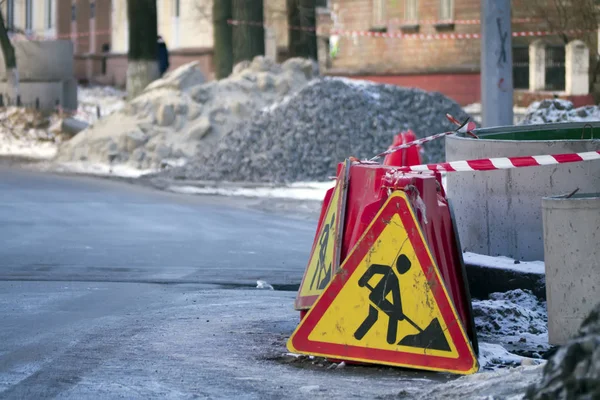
pixel 558 110
pixel 304 136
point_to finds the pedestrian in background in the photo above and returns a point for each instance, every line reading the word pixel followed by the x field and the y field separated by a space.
pixel 163 56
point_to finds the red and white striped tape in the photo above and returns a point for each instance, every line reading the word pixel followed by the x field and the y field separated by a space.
pixel 490 164
pixel 446 36
pixel 422 36
pixel 265 25
pixel 455 21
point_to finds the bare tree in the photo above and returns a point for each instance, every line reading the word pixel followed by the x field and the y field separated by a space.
pixel 223 40
pixel 301 20
pixel 249 36
pixel 142 65
pixel 10 60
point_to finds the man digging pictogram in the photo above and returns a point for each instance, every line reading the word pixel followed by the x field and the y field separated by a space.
pixel 322 268
pixel 431 337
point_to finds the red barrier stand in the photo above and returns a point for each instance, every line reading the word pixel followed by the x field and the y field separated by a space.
pixel 370 186
pixel 404 157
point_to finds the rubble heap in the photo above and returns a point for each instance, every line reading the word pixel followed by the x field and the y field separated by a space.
pixel 303 137
pixel 557 110
pixel 574 371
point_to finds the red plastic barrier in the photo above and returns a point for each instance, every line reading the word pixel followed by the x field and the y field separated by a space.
pixel 404 157
pixel 369 187
pixel 368 191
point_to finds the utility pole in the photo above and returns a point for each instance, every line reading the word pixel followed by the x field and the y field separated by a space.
pixel 496 63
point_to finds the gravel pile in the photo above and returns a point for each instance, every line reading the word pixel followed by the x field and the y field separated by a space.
pixel 181 115
pixel 516 319
pixel 304 137
pixel 557 110
pixel 574 371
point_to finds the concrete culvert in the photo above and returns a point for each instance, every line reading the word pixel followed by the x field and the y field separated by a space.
pixel 499 213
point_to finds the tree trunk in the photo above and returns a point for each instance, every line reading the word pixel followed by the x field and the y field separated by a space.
pixel 10 61
pixel 142 65
pixel 302 42
pixel 249 34
pixel 223 42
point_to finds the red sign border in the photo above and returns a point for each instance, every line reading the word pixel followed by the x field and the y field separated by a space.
pixel 466 362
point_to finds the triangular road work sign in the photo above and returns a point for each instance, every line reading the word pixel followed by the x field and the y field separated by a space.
pixel 387 304
pixel 324 258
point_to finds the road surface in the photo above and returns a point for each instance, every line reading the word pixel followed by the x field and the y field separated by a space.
pixel 109 290
pixel 74 228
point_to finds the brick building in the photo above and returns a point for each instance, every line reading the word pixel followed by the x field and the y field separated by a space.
pixel 449 64
pixel 99 31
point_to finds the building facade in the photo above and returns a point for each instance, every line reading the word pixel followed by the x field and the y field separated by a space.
pixel 443 52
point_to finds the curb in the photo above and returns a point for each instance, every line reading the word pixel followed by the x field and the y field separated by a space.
pixel 484 280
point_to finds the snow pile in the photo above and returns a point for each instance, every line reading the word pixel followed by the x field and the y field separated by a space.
pixel 102 100
pixel 574 371
pixel 557 110
pixel 26 133
pixel 517 320
pixel 304 137
pixel 179 116
pixel 29 133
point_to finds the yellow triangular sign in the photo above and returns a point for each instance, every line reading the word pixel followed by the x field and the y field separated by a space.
pixel 325 255
pixel 387 304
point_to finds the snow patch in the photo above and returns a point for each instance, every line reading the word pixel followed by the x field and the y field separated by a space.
pixel 298 191
pixel 263 285
pixel 121 170
pixel 494 356
pixel 516 319
pixel 530 267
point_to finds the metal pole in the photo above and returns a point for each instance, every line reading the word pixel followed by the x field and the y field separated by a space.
pixel 496 63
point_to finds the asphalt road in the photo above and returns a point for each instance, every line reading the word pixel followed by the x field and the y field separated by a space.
pixel 109 291
pixel 81 229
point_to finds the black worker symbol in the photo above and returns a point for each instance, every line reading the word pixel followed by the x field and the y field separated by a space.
pixel 431 337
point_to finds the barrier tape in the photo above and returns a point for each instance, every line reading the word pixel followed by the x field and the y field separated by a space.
pixel 446 36
pixel 465 127
pixel 457 21
pixel 490 164
pixel 421 36
pixel 35 36
pixel 395 22
pixel 264 25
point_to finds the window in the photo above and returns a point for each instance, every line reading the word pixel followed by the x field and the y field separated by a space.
pixel 92 9
pixel 73 13
pixel 555 68
pixel 10 14
pixel 446 10
pixel 411 8
pixel 379 15
pixel 176 8
pixel 520 67
pixel 49 14
pixel 28 15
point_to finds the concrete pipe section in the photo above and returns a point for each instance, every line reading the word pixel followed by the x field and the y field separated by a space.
pixel 571 237
pixel 499 212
